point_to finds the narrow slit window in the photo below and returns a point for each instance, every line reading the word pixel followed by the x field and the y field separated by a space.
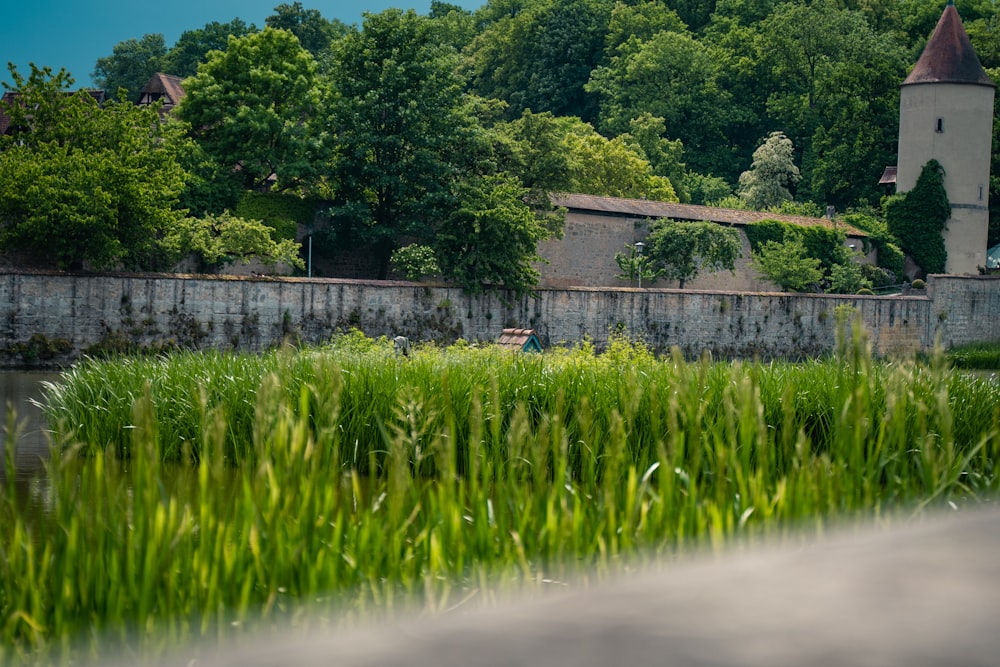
pixel 939 126
pixel 980 193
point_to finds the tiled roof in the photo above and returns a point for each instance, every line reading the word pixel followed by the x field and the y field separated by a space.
pixel 661 209
pixel 888 176
pixel 949 56
pixel 516 339
pixel 162 86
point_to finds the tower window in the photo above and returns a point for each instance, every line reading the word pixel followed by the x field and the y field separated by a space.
pixel 939 126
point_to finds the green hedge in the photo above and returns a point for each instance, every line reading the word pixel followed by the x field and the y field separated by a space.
pixel 279 211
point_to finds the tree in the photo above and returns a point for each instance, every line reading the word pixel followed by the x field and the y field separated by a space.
pixel 455 25
pixel 539 55
pixel 315 33
pixel 635 267
pixel 788 264
pixel 490 242
pixel 847 278
pixel 772 173
pixel 611 167
pixel 130 65
pixel 402 124
pixel 219 240
pixel 682 250
pixel 254 109
pixel 686 95
pixel 82 185
pixel 917 219
pixel 415 261
pixel 648 134
pixel 192 47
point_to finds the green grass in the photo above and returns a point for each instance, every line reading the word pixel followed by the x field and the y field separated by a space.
pixel 203 496
pixel 979 356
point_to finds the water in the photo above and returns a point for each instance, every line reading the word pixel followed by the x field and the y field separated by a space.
pixel 18 390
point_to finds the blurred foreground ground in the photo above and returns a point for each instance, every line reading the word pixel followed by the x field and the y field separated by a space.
pixel 924 593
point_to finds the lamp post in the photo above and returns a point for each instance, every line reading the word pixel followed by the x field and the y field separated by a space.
pixel 638 262
pixel 309 257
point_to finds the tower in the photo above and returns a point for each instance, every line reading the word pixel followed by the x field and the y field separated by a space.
pixel 946 114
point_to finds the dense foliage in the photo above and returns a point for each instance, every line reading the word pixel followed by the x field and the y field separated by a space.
pixel 395 121
pixel 84 185
pixel 917 219
pixel 682 250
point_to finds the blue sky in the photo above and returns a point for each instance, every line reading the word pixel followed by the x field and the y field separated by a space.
pixel 74 34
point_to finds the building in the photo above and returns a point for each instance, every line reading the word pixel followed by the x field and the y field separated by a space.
pixel 946 114
pixel 598 228
pixel 162 87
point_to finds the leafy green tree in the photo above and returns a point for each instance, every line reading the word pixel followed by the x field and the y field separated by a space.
pixel 415 261
pixel 706 189
pixel 681 251
pixel 193 46
pixel 315 33
pixel 222 239
pixel 917 219
pixel 254 109
pixel 490 242
pixel 539 54
pixel 632 24
pixel 402 125
pixel 648 134
pixel 82 185
pixel 130 65
pixel 611 167
pixel 788 264
pixel 533 149
pixel 635 266
pixel 766 184
pixel 847 278
pixel 686 95
pixel 455 25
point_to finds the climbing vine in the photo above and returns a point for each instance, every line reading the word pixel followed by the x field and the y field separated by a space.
pixel 917 219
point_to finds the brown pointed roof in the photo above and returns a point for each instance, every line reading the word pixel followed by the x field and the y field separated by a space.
pixel 166 87
pixel 949 56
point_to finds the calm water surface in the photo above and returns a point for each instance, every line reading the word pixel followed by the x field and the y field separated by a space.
pixel 18 390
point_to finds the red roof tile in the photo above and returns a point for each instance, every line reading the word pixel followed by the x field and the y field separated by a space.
pixel 949 56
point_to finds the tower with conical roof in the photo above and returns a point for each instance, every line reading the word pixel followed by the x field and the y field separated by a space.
pixel 946 114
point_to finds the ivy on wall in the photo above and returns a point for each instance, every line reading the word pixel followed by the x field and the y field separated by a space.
pixel 917 219
pixel 281 212
pixel 822 243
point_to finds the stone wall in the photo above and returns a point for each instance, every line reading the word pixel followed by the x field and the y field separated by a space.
pixel 585 256
pixel 55 317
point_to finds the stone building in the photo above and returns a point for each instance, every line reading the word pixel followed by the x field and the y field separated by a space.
pixel 946 114
pixel 597 228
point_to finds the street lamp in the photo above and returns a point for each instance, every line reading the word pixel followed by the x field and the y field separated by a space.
pixel 309 260
pixel 638 264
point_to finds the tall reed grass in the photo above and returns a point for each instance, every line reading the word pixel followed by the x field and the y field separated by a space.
pixel 206 495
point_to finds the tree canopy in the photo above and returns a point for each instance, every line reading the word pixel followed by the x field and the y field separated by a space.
pixel 86 185
pixel 681 251
pixel 248 107
pixel 402 122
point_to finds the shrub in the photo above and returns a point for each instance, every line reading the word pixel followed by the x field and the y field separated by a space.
pixel 918 284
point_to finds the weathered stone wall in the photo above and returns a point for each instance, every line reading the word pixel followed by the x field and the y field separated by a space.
pixel 585 256
pixel 37 311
